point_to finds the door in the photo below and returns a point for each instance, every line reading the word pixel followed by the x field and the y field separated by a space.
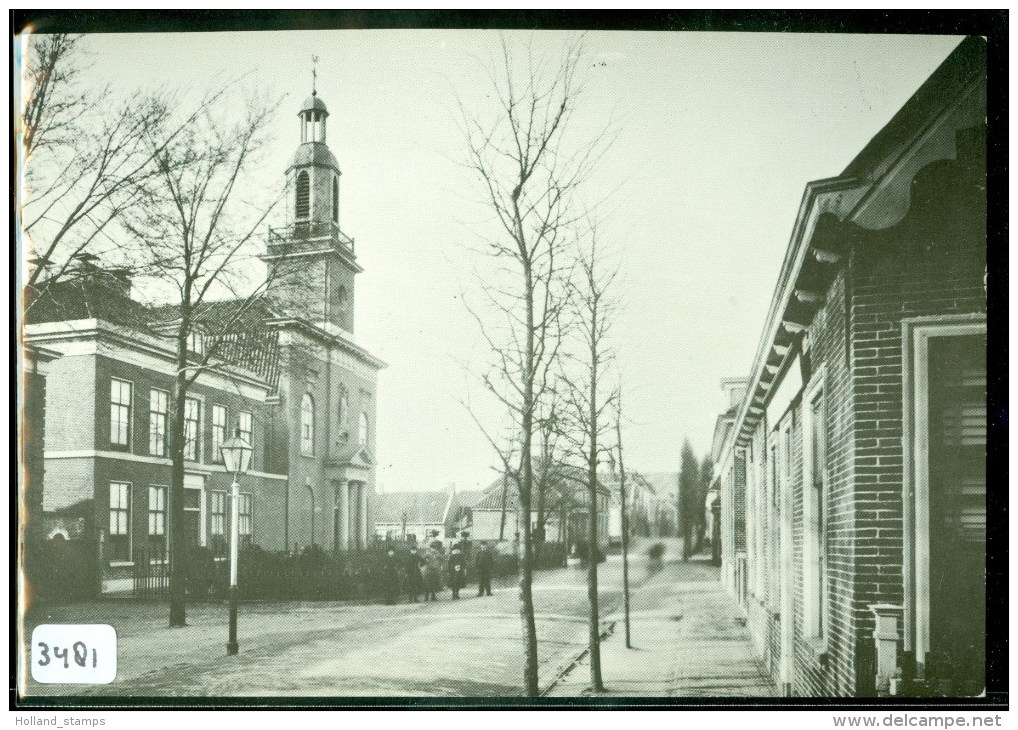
pixel 957 513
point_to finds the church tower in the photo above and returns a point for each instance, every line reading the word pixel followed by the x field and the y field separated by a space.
pixel 311 261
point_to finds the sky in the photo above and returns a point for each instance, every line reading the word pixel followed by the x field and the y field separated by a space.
pixel 717 135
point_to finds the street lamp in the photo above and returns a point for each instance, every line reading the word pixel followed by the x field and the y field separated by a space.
pixel 236 456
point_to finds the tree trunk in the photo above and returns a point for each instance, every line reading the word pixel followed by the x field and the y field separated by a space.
pixel 596 682
pixel 526 490
pixel 625 540
pixel 177 441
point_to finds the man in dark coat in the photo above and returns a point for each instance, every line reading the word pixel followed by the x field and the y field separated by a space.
pixel 457 571
pixel 413 574
pixel 483 563
pixel 390 576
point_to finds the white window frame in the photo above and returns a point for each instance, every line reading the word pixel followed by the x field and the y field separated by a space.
pixel 126 444
pixel 128 531
pixel 249 532
pixel 196 342
pixel 786 551
pixel 773 516
pixel 164 513
pixel 219 431
pixel 197 440
pixel 307 424
pixel 815 596
pixel 916 335
pixel 247 433
pixel 153 414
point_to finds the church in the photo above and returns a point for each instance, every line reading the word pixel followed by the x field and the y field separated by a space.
pixel 291 378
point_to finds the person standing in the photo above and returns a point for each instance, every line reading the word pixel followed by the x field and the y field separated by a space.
pixel 457 571
pixel 483 563
pixel 390 577
pixel 413 574
pixel 431 574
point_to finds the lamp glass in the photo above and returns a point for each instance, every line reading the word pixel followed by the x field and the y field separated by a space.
pixel 236 454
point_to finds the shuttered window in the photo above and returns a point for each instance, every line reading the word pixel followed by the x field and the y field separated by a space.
pixel 302 207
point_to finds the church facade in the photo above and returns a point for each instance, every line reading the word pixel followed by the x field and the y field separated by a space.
pixel 291 378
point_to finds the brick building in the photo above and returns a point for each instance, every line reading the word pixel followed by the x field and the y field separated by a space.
pixel 290 376
pixel 859 450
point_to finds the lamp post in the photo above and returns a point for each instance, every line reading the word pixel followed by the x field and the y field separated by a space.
pixel 236 455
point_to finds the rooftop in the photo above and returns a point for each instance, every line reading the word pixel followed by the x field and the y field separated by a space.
pixel 412 508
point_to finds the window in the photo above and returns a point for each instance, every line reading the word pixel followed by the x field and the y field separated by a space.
pixel 814 457
pixel 159 401
pixel 344 408
pixel 120 412
pixel 307 425
pixel 245 513
pixel 217 525
pixel 118 543
pixel 218 432
pixel 303 200
pixel 196 343
pixel 362 430
pixel 192 430
pixel 772 526
pixel 244 421
pixel 156 523
pixel 335 200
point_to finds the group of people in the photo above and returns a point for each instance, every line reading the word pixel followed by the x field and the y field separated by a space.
pixel 420 572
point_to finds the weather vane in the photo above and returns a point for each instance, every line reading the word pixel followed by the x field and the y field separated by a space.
pixel 314 74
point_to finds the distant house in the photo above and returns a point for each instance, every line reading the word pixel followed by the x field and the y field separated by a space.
pixel 565 509
pixel 641 505
pixel 665 485
pixel 418 516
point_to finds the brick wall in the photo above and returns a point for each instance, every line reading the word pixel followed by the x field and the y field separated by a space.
pixel 71 404
pixel 835 673
pixel 145 380
pixel 924 267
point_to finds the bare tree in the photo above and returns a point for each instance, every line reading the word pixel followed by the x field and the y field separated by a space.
pixel 529 174
pixel 196 237
pixel 624 499
pixel 590 404
pixel 86 156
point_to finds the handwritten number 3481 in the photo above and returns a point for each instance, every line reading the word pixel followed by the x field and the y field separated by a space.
pixel 80 654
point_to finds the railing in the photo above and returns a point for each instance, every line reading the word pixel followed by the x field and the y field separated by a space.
pixel 309 231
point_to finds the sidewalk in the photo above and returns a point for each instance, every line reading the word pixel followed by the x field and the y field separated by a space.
pixel 688 640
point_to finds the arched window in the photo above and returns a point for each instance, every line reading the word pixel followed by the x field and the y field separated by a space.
pixel 303 201
pixel 362 430
pixel 335 200
pixel 307 425
pixel 344 408
pixel 341 299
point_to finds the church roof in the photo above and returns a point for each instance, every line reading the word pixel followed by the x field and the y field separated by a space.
pixel 313 103
pixel 314 153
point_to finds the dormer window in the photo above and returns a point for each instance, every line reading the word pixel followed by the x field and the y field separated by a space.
pixel 196 343
pixel 302 207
